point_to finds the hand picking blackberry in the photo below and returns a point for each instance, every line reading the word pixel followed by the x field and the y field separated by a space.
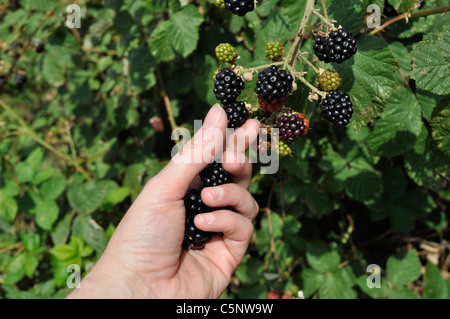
pixel 227 86
pixel 194 238
pixel 338 46
pixel 337 108
pixel 214 175
pixel 240 7
pixel 237 114
pixel 273 84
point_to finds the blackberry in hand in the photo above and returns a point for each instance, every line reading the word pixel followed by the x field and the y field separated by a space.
pixel 237 114
pixel 337 108
pixel 194 238
pixel 292 127
pixel 273 84
pixel 227 86
pixel 338 46
pixel 214 175
pixel 240 7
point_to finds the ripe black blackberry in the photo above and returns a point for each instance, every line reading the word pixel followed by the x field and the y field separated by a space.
pixel 227 86
pixel 16 44
pixel 237 114
pixel 40 47
pixel 337 108
pixel 273 84
pixel 240 7
pixel 194 238
pixel 292 127
pixel 337 47
pixel 214 175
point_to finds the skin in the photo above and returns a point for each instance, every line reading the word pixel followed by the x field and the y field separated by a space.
pixel 144 258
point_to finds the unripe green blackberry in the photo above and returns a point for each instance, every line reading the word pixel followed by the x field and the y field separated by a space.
pixel 283 149
pixel 225 52
pixel 329 81
pixel 220 3
pixel 274 51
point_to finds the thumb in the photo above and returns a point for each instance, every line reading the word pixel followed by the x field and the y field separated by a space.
pixel 197 153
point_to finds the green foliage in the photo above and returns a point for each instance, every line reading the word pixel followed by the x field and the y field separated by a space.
pixel 76 145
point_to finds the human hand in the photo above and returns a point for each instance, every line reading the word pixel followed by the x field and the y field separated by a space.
pixel 144 258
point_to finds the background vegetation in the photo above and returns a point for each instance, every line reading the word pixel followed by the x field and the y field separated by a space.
pixel 78 140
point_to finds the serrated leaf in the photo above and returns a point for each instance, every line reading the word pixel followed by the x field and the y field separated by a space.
pixel 92 233
pixel 335 287
pixel 321 258
pixel 369 78
pixel 403 267
pixel 84 198
pixel 440 126
pixel 435 287
pixel 430 62
pixel 184 30
pixel 46 212
pixel 311 280
pixel 8 207
pixel 141 69
pixel 399 126
pixel 348 13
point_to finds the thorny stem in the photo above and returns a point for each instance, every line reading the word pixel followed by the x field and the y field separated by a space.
pixel 408 15
pixel 302 57
pixel 39 140
pixel 299 76
pixel 324 8
pixel 324 19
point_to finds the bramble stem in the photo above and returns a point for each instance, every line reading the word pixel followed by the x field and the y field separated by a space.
pixel 302 57
pixel 324 8
pixel 299 76
pixel 324 19
pixel 408 15
pixel 26 129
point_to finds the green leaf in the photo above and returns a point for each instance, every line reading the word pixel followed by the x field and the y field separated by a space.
pixel 141 69
pixel 31 264
pixel 250 271
pixel 402 219
pixel 335 287
pixel 430 62
pixel 426 165
pixel 53 187
pixel 311 280
pixel 400 292
pixel 348 13
pixel 435 287
pixel 46 211
pixel 92 233
pixel 403 267
pixel 440 126
pixel 375 293
pixel 84 198
pixel 8 207
pixel 321 258
pixel 369 78
pixel 184 29
pixel 40 5
pixel 399 126
pixel 405 5
pixel 31 242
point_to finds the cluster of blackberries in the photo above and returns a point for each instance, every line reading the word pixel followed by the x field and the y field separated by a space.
pixel 337 47
pixel 212 175
pixel 337 108
pixel 240 7
pixel 227 88
pixel 273 86
pixel 292 127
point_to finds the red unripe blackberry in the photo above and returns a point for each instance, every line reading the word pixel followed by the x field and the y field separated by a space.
pixel 227 86
pixel 214 175
pixel 292 127
pixel 194 238
pixel 337 108
pixel 273 84
pixel 337 47
pixel 240 7
pixel 237 114
pixel 273 106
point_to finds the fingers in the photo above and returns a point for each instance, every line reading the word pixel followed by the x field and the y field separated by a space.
pixel 242 172
pixel 231 195
pixel 234 227
pixel 239 141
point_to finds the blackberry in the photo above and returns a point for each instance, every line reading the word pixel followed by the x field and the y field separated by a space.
pixel 194 238
pixel 20 78
pixel 292 127
pixel 227 86
pixel 225 52
pixel 240 7
pixel 16 44
pixel 329 81
pixel 337 47
pixel 214 175
pixel 237 114
pixel 273 84
pixel 283 149
pixel 273 106
pixel 40 47
pixel 274 50
pixel 337 108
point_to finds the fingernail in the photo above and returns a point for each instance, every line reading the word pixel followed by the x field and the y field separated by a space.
pixel 217 192
pixel 207 218
pixel 214 116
